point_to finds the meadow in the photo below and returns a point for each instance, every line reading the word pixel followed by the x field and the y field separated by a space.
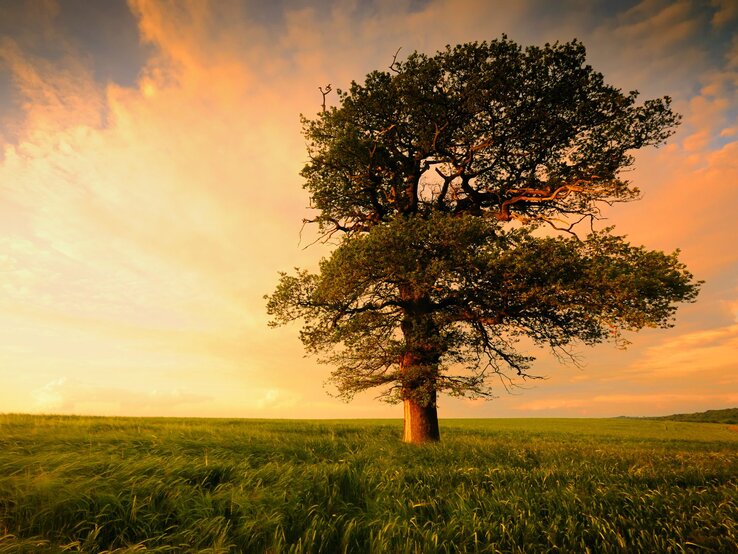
pixel 84 484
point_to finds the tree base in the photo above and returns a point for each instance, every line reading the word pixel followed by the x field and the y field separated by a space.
pixel 421 423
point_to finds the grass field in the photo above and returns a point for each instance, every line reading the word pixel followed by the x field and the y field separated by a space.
pixel 188 485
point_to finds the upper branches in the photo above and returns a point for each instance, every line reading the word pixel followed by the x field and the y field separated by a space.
pixel 483 129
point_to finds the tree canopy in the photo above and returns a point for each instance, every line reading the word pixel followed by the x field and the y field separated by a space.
pixel 437 178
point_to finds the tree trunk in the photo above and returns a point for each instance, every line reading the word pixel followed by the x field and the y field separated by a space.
pixel 421 422
pixel 419 368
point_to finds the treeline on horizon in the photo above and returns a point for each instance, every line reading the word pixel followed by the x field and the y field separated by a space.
pixel 727 415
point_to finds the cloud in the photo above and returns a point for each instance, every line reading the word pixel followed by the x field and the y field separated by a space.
pixel 659 25
pixel 53 93
pixel 726 12
pixel 50 396
pixel 141 223
pixel 623 404
pixel 78 397
pixel 687 187
pixel 276 399
pixel 698 357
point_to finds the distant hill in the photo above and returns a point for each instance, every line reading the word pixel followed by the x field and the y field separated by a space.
pixel 729 415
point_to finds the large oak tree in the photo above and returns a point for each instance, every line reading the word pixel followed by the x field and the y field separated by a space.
pixel 437 180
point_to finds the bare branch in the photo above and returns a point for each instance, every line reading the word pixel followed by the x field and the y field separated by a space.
pixel 394 61
pixel 539 196
pixel 325 93
pixel 568 229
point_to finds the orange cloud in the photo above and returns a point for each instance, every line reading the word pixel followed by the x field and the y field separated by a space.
pixel 695 357
pixel 141 225
pixel 620 404
pixel 727 12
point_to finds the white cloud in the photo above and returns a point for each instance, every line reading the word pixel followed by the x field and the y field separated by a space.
pixel 51 395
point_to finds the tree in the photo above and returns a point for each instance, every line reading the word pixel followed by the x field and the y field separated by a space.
pixel 437 180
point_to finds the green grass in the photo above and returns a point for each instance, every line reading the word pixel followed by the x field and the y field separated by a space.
pixel 187 485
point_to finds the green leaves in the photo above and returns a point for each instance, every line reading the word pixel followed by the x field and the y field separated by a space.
pixel 481 128
pixel 467 290
pixel 436 176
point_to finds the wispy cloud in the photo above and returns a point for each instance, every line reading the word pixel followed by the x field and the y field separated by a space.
pixel 77 397
pixel 703 358
pixel 141 223
pixel 624 404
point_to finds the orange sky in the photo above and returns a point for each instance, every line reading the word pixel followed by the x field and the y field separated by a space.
pixel 149 193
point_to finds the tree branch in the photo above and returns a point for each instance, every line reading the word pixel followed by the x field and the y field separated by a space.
pixel 325 93
pixel 394 61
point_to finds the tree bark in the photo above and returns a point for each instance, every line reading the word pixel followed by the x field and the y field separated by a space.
pixel 421 422
pixel 419 368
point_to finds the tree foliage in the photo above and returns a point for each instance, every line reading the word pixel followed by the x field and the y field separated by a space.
pixel 436 178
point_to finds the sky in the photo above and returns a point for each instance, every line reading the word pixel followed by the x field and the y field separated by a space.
pixel 150 194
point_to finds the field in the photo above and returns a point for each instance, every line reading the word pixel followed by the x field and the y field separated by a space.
pixel 189 485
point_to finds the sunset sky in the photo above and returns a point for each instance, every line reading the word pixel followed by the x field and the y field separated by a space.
pixel 149 194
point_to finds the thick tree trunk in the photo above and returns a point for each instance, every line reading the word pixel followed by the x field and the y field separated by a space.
pixel 421 422
pixel 419 368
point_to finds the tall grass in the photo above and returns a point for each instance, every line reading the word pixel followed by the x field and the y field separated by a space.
pixel 85 484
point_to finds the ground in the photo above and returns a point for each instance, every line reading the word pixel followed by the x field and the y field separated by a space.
pixel 527 485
